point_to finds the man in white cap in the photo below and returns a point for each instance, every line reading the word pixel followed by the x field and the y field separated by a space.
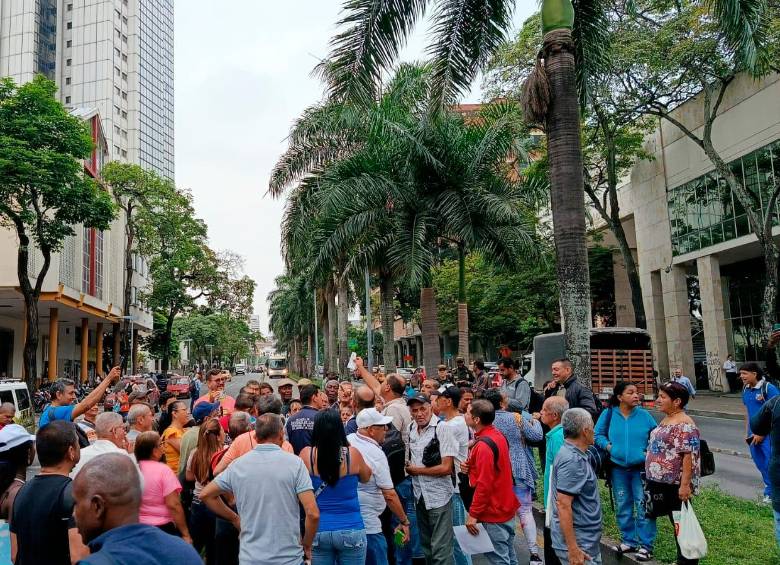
pixel 378 492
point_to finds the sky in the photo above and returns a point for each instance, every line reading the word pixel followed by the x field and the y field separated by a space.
pixel 243 74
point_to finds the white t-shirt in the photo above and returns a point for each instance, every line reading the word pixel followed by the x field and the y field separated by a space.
pixel 460 431
pixel 372 502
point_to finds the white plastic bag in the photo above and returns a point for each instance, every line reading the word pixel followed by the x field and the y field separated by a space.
pixel 693 544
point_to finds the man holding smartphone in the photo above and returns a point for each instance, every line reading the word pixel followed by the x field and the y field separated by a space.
pixel 215 381
pixel 63 393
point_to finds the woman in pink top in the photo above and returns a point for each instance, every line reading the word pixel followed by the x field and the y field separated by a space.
pixel 160 503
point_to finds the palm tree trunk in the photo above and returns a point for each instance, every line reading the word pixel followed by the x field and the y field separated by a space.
pixel 567 199
pixel 430 330
pixel 343 314
pixel 311 366
pixel 387 315
pixel 463 308
pixel 326 334
pixel 333 351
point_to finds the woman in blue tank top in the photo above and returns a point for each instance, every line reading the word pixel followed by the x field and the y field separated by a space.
pixel 335 470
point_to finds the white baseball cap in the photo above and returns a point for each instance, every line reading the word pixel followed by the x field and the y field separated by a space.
pixel 14 435
pixel 371 417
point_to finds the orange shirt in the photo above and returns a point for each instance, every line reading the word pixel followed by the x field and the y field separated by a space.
pixel 228 403
pixel 243 444
pixel 171 455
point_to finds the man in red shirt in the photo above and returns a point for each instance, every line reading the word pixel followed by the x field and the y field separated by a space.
pixel 490 474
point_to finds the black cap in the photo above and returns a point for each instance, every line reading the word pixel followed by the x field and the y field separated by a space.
pixel 419 397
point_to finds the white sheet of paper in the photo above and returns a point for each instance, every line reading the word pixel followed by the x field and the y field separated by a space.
pixel 472 545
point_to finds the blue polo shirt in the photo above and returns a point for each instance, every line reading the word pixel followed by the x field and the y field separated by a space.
pixel 138 543
pixel 51 413
pixel 753 397
pixel 299 428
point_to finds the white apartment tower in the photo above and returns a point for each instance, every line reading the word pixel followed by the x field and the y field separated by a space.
pixel 113 55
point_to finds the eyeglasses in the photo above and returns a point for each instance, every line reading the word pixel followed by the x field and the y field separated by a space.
pixel 220 380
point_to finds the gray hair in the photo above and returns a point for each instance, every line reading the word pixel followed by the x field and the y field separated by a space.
pixel 238 424
pixel 557 405
pixel 268 426
pixel 574 421
pixel 105 422
pixel 136 411
pixel 59 386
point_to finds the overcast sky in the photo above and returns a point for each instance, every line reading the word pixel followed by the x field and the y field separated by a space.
pixel 242 77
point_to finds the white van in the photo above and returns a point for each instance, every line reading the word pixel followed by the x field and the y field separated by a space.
pixel 15 391
pixel 240 369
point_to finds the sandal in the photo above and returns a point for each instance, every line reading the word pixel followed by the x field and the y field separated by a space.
pixel 643 554
pixel 623 548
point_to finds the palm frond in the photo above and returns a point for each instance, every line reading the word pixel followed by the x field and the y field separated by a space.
pixel 375 31
pixel 465 34
pixel 591 41
pixel 745 24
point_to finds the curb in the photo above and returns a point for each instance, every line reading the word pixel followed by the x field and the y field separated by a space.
pixel 608 555
pixel 711 414
pixel 733 452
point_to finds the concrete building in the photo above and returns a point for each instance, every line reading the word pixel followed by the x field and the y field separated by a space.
pixel 254 322
pixel 112 55
pixel 700 267
pixel 112 61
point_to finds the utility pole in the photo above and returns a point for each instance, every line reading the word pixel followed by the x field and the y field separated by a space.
pixel 369 330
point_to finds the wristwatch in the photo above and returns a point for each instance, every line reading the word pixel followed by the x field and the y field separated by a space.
pixel 405 522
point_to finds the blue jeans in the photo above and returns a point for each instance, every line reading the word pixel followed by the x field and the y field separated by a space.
pixel 503 538
pixel 459 519
pixel 777 527
pixel 376 552
pixel 760 454
pixel 339 547
pixel 635 529
pixel 405 553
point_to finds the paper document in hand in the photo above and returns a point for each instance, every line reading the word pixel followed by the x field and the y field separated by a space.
pixel 471 545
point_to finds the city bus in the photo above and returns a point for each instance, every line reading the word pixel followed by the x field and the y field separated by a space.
pixel 276 366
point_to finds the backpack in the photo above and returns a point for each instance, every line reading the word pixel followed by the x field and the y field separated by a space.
pixel 464 487
pixel 395 451
pixel 600 459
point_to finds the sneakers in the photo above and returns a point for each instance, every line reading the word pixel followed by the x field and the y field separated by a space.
pixel 536 560
pixel 643 555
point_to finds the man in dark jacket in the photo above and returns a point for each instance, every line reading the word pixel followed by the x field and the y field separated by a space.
pixel 564 383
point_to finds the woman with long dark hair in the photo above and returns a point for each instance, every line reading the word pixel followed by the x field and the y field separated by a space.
pixel 335 470
pixel 211 439
pixel 623 430
pixel 17 452
pixel 172 435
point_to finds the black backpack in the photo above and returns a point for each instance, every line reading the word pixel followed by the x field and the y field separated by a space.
pixel 707 462
pixel 395 451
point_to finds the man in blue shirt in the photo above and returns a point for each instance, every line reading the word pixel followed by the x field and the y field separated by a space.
pixel 108 495
pixel 63 393
pixel 755 394
pixel 300 426
pixel 678 377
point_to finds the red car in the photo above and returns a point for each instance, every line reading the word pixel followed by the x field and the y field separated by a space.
pixel 179 385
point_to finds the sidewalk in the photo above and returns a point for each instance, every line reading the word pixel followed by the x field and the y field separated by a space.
pixel 717 405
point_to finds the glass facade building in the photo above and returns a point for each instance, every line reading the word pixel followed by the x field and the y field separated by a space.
pixel 156 138
pixel 46 38
pixel 704 211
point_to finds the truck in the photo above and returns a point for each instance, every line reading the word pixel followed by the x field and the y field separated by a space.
pixel 617 354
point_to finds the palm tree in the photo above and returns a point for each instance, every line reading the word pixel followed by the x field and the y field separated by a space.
pixel 465 35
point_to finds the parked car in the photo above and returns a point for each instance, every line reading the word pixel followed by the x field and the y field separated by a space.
pixel 240 369
pixel 179 385
pixel 15 391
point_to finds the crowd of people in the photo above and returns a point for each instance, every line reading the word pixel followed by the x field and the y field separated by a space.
pixel 373 471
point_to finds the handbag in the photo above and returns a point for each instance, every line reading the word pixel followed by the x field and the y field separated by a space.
pixel 661 499
pixel 690 537
pixel 432 453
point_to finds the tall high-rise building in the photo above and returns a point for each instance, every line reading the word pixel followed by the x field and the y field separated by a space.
pixel 254 322
pixel 113 55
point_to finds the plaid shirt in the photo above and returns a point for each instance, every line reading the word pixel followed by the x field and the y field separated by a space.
pixel 435 491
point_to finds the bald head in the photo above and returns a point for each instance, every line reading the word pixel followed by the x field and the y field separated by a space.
pixel 363 398
pixel 107 492
pixel 553 409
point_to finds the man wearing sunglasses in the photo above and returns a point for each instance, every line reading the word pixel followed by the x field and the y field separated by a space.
pixel 215 381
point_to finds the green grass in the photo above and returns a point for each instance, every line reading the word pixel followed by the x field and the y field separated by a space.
pixel 738 532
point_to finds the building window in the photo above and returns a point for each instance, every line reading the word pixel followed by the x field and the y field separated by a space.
pixel 67 100
pixel 704 212
pixel 67 80
pixel 124 114
pixel 69 25
pixel 68 62
pixel 124 58
pixel 70 7
pixel 124 153
pixel 92 263
pixel 69 43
